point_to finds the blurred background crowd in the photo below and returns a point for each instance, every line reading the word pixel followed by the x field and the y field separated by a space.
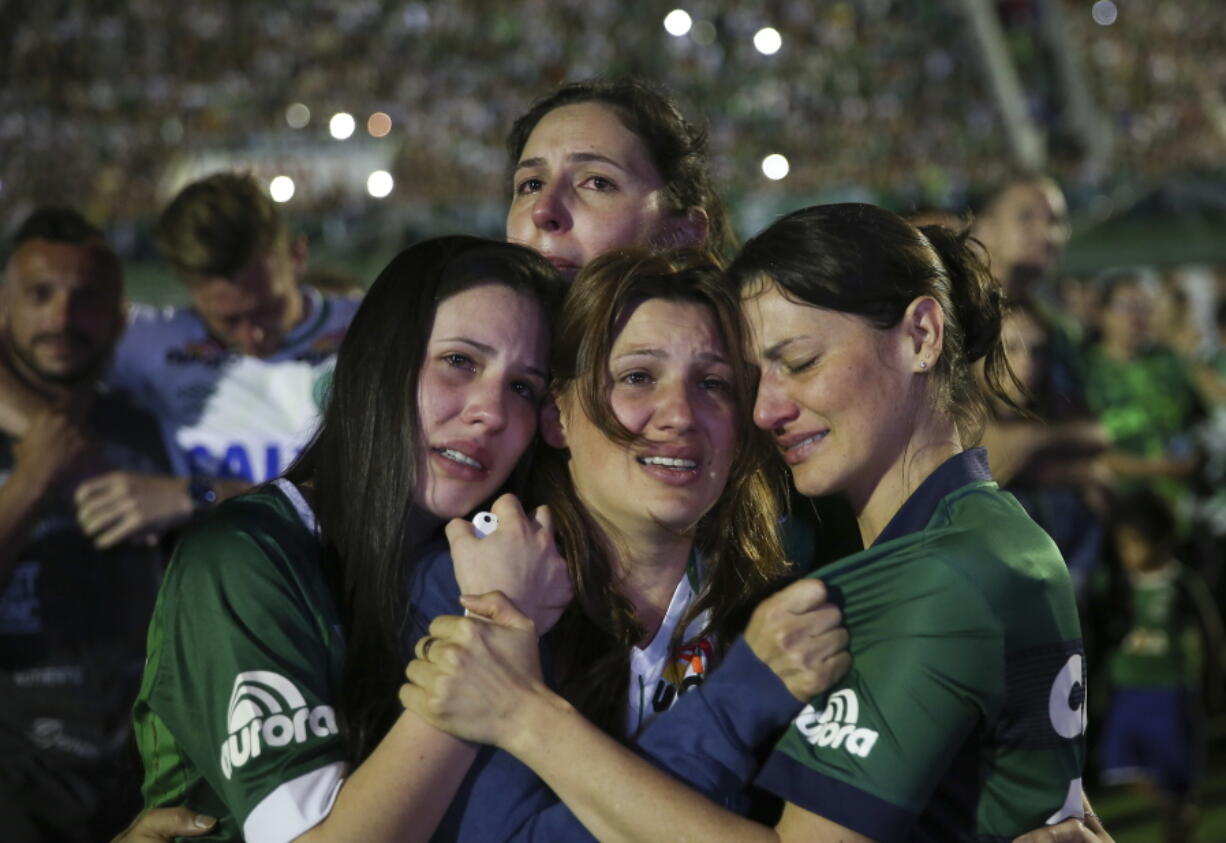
pixel 376 123
pixel 900 101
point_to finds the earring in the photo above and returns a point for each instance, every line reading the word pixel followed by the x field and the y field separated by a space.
pixel 923 364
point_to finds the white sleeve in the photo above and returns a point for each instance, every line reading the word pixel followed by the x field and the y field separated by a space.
pixel 296 806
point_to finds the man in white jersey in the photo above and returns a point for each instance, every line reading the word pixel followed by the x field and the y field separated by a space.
pixel 234 380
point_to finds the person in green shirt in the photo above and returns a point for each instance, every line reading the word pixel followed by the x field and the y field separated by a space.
pixel 269 693
pixel 1163 667
pixel 963 715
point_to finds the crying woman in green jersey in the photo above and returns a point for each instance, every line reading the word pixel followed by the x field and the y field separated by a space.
pixel 273 660
pixel 963 715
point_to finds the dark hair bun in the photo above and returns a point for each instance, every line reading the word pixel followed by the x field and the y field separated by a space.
pixel 975 294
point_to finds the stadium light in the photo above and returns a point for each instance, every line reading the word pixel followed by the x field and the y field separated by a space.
pixel 677 22
pixel 1104 12
pixel 767 40
pixel 379 184
pixel 341 125
pixel 281 189
pixel 775 167
pixel 379 124
pixel 297 116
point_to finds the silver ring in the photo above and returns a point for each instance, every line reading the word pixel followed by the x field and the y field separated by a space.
pixel 426 645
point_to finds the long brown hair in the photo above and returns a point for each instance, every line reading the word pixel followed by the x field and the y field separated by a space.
pixel 738 539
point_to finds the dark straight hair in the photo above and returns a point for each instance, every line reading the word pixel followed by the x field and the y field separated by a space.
pixel 868 262
pixel 363 463
pixel 677 147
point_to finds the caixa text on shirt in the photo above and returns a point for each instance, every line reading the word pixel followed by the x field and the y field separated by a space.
pixel 240 461
pixel 267 711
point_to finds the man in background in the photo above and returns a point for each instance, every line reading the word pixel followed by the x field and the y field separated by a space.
pixel 234 380
pixel 72 616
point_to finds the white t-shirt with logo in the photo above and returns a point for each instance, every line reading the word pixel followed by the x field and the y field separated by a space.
pixel 224 414
pixel 658 676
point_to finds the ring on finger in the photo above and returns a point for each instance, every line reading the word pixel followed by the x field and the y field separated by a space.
pixel 426 644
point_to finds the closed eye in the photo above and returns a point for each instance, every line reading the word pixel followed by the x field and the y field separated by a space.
pixel 796 368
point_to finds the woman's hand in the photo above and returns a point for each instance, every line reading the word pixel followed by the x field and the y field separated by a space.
pixel 519 559
pixel 801 638
pixel 473 675
pixel 165 824
pixel 1088 830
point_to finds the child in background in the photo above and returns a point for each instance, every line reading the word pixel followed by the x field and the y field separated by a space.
pixel 1153 730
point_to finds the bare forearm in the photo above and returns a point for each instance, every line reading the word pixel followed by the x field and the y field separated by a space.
pixel 402 790
pixel 1130 465
pixel 616 794
pixel 229 488
pixel 18 403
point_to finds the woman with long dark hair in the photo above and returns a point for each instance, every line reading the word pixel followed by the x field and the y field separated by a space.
pixel 269 696
pixel 963 714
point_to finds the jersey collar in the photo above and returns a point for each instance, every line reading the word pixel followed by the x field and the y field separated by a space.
pixel 962 469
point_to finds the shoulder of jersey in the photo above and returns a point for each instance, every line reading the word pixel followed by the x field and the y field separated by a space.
pixel 151 320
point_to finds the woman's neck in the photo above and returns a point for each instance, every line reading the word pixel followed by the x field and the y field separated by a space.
pixel 933 442
pixel 648 568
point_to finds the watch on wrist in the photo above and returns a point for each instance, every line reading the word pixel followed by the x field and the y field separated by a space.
pixel 201 492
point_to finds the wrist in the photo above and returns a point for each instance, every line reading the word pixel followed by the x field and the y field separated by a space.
pixel 30 483
pixel 535 722
pixel 201 494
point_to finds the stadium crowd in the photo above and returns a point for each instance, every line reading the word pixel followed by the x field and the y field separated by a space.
pixel 103 100
pixel 124 425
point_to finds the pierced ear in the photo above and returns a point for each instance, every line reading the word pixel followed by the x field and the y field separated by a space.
pixel 553 430
pixel 924 327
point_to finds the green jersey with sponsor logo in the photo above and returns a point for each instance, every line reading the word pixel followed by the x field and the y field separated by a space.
pixel 963 715
pixel 245 655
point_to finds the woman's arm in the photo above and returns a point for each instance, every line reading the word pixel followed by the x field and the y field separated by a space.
pixel 401 791
pixel 505 703
pixel 239 697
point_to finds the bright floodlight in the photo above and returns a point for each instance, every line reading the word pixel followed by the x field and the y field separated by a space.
pixel 281 189
pixel 1104 12
pixel 379 124
pixel 677 22
pixel 341 125
pixel 775 167
pixel 379 183
pixel 297 116
pixel 767 41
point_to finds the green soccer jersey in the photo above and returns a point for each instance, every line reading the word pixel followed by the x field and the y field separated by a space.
pixel 235 714
pixel 1162 648
pixel 963 715
pixel 1143 403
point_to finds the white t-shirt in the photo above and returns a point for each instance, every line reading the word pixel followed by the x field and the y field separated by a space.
pixel 224 414
pixel 657 676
